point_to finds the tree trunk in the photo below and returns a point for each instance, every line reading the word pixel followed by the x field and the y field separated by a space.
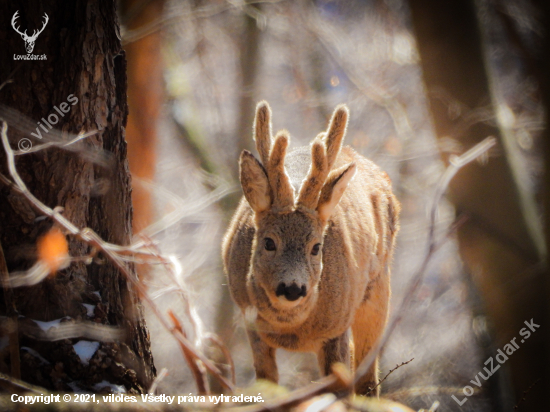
pixel 84 59
pixel 542 63
pixel 249 63
pixel 145 97
pixel 500 244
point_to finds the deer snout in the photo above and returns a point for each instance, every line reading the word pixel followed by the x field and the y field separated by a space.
pixel 291 292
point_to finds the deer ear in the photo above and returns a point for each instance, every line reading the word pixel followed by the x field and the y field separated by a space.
pixel 333 190
pixel 254 182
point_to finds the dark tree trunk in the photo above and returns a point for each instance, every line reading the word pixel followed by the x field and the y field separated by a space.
pixel 500 243
pixel 84 58
pixel 542 63
pixel 249 64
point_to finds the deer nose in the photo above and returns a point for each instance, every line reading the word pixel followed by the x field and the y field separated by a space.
pixel 292 292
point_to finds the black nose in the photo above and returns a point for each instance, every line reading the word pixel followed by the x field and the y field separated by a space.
pixel 292 292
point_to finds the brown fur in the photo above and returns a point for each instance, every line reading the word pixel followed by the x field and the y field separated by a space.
pixel 346 204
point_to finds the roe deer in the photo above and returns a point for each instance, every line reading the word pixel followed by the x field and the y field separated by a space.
pixel 313 265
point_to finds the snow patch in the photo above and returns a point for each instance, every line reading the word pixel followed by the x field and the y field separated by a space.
pixel 89 309
pixel 85 350
pixel 114 388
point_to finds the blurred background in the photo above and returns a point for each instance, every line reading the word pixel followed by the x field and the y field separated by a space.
pixel 424 81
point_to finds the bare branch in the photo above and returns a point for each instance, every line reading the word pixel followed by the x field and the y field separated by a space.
pixel 160 376
pixel 36 274
pixel 182 209
pixel 54 137
pixel 68 330
pixel 197 368
pixel 60 145
pixel 457 162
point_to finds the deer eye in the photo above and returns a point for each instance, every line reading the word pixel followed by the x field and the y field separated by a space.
pixel 269 244
pixel 316 248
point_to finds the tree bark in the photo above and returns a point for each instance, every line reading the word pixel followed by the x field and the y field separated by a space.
pixel 84 58
pixel 502 250
pixel 145 97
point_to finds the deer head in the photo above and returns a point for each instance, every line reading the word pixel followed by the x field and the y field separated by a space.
pixel 29 40
pixel 287 250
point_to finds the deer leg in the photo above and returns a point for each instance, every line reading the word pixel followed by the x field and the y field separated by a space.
pixel 264 358
pixel 334 350
pixel 368 326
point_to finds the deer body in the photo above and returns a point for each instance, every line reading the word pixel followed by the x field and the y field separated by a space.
pixel 312 266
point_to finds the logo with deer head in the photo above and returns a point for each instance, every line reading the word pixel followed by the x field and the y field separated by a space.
pixel 29 40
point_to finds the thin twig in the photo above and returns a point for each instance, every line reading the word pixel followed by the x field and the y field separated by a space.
pixel 524 394
pixel 293 398
pixel 388 374
pixel 160 376
pixel 142 292
pixel 215 339
pixel 182 209
pixel 455 164
pixel 434 407
pixel 17 386
pixel 62 144
pixel 176 278
pixel 63 140
pixel 196 367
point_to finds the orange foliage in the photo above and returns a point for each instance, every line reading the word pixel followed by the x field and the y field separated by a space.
pixel 53 250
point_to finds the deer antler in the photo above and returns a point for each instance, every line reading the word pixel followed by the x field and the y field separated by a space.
pixel 324 151
pixel 262 131
pixel 13 19
pixel 37 32
pixel 282 190
pixel 318 172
